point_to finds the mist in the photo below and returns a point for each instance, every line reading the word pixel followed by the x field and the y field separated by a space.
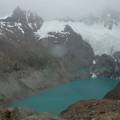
pixel 52 9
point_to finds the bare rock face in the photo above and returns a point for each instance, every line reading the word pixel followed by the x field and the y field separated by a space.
pixel 107 66
pixel 76 55
pixel 93 110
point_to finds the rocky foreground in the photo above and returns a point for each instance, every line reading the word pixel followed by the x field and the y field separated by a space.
pixel 25 114
pixel 83 110
pixel 93 110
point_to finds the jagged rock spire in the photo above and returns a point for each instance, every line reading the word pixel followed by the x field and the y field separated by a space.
pixel 26 18
pixel 68 29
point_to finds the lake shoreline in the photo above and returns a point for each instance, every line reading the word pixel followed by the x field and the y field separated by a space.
pixel 67 94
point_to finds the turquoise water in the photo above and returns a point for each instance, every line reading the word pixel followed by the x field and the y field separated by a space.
pixel 58 99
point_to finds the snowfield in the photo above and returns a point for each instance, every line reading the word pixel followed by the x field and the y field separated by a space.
pixel 100 38
pixel 6 16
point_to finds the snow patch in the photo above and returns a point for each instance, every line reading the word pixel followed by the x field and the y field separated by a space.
pixel 10 26
pixel 27 15
pixel 50 26
pixel 19 25
pixel 4 17
pixel 2 24
pixel 94 75
pixel 30 25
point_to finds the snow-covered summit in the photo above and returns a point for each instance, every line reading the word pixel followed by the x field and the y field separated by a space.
pixel 27 18
pixel 20 24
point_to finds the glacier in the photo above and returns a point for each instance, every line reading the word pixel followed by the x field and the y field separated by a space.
pixel 102 39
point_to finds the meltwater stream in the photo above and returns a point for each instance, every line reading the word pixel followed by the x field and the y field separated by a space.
pixel 58 99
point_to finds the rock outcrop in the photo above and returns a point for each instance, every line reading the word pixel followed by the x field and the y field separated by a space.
pixel 104 66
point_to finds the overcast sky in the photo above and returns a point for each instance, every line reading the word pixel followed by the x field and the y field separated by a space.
pixel 50 9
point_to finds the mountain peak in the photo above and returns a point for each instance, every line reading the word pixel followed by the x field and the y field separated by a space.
pixel 26 18
pixel 18 11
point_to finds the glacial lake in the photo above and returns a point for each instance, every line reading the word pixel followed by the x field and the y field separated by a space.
pixel 58 99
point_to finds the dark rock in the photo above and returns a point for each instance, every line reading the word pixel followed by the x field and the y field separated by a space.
pixel 104 66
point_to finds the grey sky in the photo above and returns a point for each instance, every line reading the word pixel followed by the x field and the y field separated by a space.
pixel 50 9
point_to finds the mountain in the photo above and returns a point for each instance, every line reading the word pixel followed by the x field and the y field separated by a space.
pixel 20 26
pixel 29 63
pixel 37 54
pixel 109 19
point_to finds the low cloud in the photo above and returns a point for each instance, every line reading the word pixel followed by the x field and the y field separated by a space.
pixel 51 9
